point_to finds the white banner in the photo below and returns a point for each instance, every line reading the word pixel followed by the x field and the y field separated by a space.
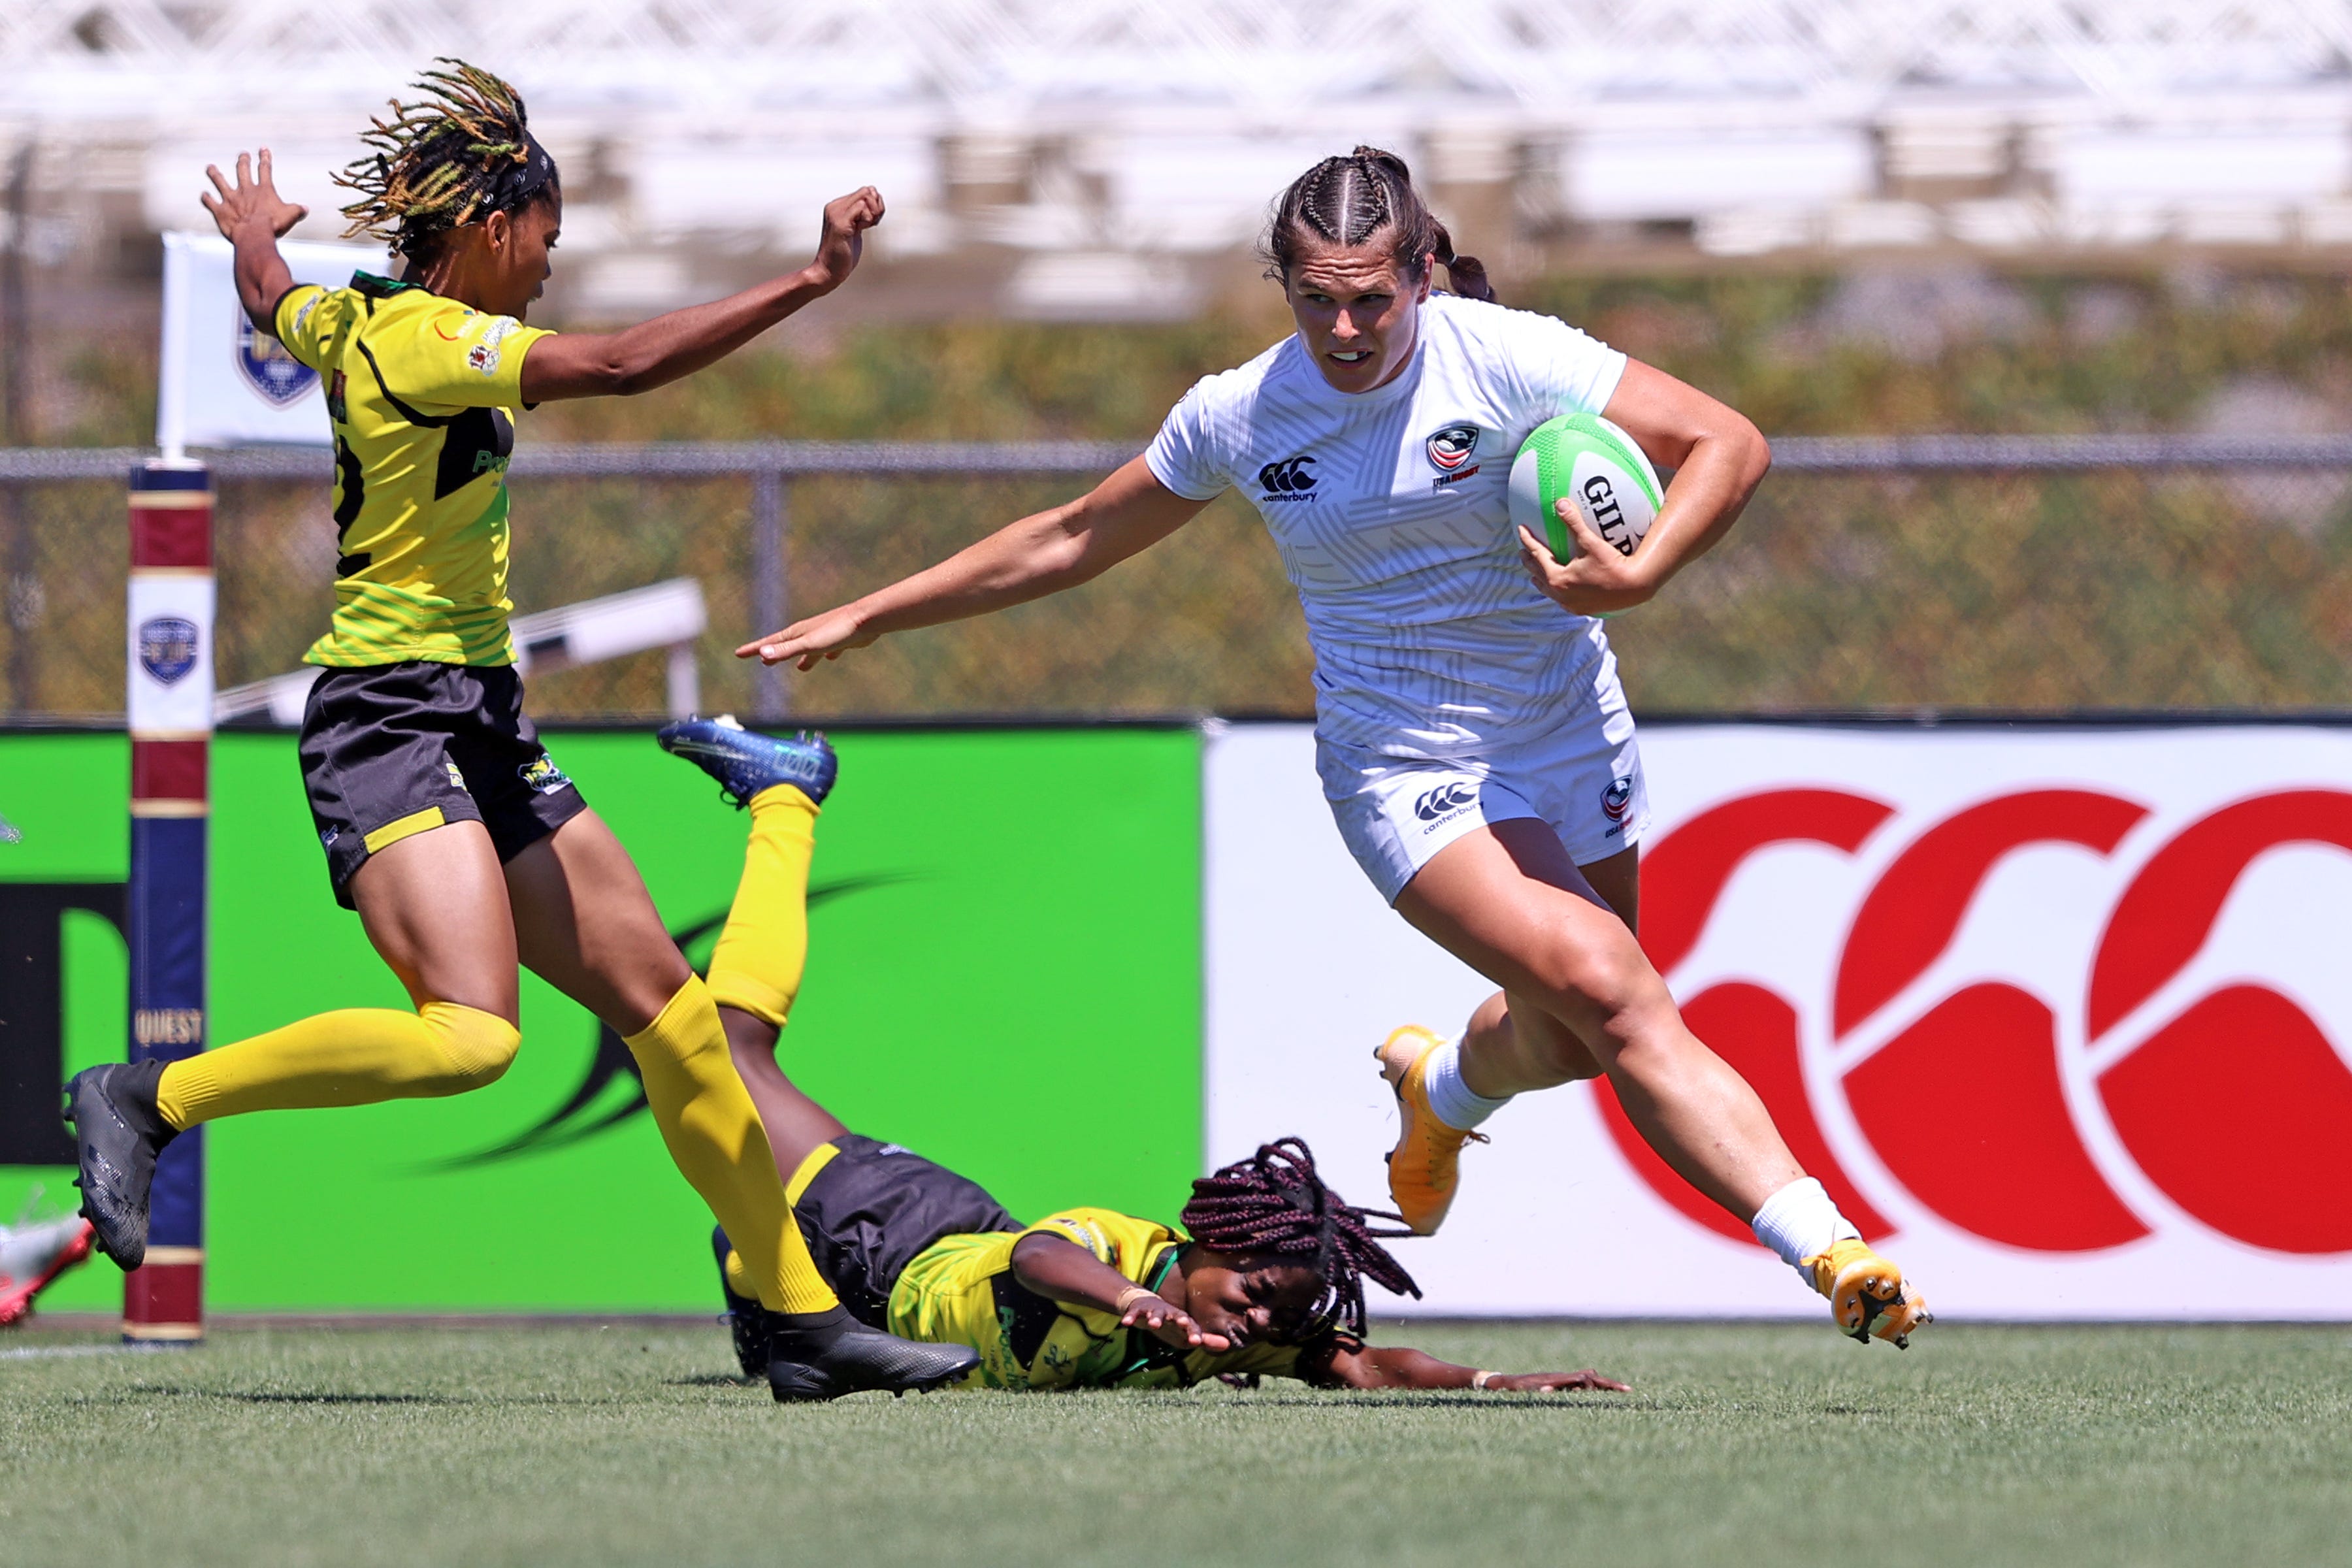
pixel 2061 1015
pixel 223 384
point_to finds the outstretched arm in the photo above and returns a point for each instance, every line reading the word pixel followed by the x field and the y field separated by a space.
pixel 657 352
pixel 1040 555
pixel 1357 1366
pixel 253 217
pixel 1719 459
pixel 1064 1271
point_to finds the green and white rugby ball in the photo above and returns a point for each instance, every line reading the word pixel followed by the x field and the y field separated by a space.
pixel 1584 459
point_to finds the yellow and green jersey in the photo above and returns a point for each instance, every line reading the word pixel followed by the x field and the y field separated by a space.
pixel 962 1291
pixel 421 391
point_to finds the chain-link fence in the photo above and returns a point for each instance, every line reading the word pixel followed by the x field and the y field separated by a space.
pixel 2001 573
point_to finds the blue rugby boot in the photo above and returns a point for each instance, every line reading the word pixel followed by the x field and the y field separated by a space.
pixel 745 761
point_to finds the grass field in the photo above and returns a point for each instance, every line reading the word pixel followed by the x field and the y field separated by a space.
pixel 1744 1445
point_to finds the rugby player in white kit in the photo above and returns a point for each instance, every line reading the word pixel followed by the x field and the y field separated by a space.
pixel 1472 736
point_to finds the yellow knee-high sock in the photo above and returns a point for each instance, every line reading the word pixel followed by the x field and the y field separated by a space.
pixel 713 1130
pixel 756 967
pixel 358 1056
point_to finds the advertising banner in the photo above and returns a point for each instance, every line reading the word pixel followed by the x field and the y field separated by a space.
pixel 1004 974
pixel 2061 1014
pixel 222 384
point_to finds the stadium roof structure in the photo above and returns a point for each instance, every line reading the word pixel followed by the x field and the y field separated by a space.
pixel 1146 128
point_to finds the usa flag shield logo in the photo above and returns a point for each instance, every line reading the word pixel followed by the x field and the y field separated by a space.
pixel 1450 448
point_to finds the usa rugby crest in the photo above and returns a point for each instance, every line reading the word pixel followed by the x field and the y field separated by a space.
pixel 1451 447
pixel 276 377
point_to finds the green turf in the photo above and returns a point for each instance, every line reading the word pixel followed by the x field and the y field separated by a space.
pixel 1746 1445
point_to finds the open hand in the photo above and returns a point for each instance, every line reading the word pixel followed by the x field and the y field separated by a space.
pixel 828 636
pixel 847 219
pixel 1596 580
pixel 1171 1324
pixel 254 199
pixel 1555 1381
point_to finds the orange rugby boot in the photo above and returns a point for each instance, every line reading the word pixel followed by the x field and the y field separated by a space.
pixel 1425 1165
pixel 1868 1295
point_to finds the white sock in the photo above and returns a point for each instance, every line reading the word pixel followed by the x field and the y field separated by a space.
pixel 1452 1100
pixel 1799 1221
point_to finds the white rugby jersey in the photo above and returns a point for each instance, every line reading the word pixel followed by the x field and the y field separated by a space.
pixel 1392 513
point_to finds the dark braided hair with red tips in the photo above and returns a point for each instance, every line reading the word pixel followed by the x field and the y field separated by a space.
pixel 1273 1206
pixel 1352 200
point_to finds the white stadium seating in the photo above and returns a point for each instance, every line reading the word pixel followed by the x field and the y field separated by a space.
pixel 1090 130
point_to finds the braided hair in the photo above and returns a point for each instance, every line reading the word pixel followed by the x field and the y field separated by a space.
pixel 1272 1204
pixel 460 153
pixel 1352 200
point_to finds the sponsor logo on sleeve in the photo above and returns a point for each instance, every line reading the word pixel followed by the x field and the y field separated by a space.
pixel 485 355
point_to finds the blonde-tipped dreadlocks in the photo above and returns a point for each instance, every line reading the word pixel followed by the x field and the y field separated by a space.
pixel 461 153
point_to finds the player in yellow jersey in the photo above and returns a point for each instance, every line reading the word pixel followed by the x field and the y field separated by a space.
pixel 1264 1274
pixel 463 846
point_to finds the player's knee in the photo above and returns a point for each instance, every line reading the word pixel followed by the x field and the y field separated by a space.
pixel 1602 978
pixel 477 1046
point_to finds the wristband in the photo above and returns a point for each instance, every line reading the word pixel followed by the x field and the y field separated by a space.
pixel 1128 1297
pixel 1480 1379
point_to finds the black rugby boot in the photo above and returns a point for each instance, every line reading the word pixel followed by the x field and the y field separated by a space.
pixel 746 1318
pixel 119 1131
pixel 823 1356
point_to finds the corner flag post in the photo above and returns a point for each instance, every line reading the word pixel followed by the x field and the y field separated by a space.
pixel 170 677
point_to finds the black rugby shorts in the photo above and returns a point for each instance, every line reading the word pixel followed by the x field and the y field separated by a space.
pixel 396 749
pixel 876 1207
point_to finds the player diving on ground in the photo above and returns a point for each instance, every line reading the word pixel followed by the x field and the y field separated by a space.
pixel 463 849
pixel 1472 736
pixel 1263 1274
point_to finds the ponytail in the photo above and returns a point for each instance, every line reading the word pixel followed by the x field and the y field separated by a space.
pixel 1465 273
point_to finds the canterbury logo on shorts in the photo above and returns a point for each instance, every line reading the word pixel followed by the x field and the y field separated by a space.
pixel 1445 800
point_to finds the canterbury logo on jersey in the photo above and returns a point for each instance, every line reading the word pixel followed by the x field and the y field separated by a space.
pixel 1288 479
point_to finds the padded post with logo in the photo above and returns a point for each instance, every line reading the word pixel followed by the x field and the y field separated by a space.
pixel 169 702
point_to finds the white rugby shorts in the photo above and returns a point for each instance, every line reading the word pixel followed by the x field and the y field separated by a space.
pixel 1583 780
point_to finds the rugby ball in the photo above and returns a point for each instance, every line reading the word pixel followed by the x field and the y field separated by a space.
pixel 1585 459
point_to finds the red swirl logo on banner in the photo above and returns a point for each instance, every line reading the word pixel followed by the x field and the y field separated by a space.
pixel 2236 1105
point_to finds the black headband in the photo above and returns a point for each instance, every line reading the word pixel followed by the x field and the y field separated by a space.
pixel 519 184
